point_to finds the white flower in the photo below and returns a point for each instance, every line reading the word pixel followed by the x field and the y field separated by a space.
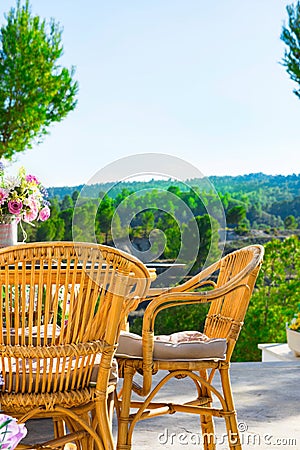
pixel 12 182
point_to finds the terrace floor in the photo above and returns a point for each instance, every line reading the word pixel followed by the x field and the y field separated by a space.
pixel 267 397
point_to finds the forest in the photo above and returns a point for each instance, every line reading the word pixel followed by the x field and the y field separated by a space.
pixel 226 212
pixel 250 202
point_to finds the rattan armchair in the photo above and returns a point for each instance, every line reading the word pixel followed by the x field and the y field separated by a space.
pixel 62 307
pixel 227 285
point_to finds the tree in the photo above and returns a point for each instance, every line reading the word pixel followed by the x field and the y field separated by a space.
pixel 67 203
pixel 243 226
pixel 66 216
pixel 235 215
pixel 274 301
pixel 34 89
pixel 291 37
pixel 290 223
pixel 83 224
pixel 208 250
pixel 168 224
pixel 75 196
pixel 172 247
pixel 147 218
pixel 46 231
pixel 104 217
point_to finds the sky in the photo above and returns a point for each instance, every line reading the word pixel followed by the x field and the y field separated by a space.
pixel 195 79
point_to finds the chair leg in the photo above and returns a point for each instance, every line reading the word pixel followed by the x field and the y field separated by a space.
pixel 60 430
pixel 104 424
pixel 95 422
pixel 207 423
pixel 208 432
pixel 230 419
pixel 59 427
pixel 124 439
pixel 86 443
pixel 110 406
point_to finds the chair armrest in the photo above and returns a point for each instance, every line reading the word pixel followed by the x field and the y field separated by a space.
pixel 186 287
pixel 171 299
pixel 198 280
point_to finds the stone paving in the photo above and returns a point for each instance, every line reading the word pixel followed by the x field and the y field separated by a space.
pixel 267 397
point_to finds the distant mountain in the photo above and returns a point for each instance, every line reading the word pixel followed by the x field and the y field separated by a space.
pixel 283 188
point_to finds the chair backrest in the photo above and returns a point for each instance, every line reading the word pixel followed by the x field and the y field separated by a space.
pixel 236 275
pixel 61 304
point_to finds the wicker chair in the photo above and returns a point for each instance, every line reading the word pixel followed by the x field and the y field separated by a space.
pixel 228 285
pixel 62 306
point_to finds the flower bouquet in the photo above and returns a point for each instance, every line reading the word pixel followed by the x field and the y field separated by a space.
pixel 22 199
pixel 293 333
pixel 295 322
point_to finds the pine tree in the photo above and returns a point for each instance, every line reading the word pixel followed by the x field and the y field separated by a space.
pixel 34 89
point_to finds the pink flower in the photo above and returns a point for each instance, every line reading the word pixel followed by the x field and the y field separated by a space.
pixel 44 213
pixel 15 206
pixel 32 179
pixel 31 202
pixel 3 195
pixel 33 206
pixel 31 215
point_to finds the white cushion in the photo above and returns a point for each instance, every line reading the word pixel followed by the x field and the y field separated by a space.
pixel 184 345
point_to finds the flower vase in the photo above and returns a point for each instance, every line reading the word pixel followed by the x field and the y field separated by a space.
pixel 293 340
pixel 8 233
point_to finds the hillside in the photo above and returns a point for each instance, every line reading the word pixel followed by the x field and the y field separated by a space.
pixel 268 199
pixel 282 187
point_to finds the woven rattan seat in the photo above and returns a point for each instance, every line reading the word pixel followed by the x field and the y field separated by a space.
pixel 227 285
pixel 62 307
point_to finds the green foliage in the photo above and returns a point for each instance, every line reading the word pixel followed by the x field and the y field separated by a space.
pixel 83 223
pixel 148 220
pixel 243 227
pixel 167 223
pixel 268 199
pixel 291 37
pixel 274 301
pixel 46 231
pixel 104 217
pixel 286 207
pixel 66 217
pixel 208 249
pixel 277 291
pixel 235 215
pixel 34 89
pixel 179 318
pixel 290 222
pixel 66 203
pixel 75 196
